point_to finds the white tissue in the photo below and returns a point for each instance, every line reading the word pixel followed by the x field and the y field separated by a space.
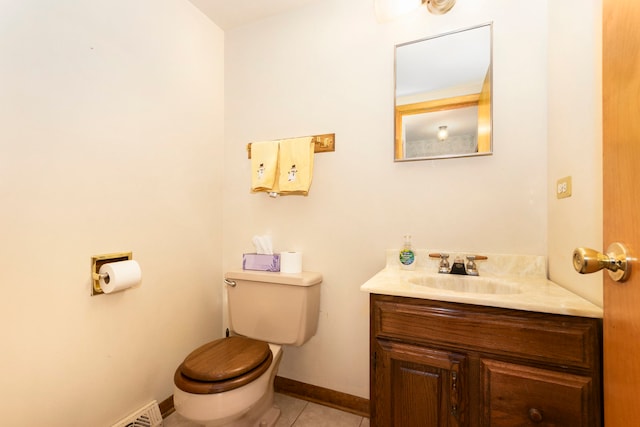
pixel 263 245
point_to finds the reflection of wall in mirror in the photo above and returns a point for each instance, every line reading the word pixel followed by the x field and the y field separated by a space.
pixel 417 127
pixel 484 115
pixel 421 136
pixel 463 144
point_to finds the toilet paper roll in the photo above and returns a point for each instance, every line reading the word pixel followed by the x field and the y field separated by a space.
pixel 290 262
pixel 119 275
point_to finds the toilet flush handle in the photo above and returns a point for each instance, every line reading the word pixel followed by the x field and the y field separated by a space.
pixel 230 283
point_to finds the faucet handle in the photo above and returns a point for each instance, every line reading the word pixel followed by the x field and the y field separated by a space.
pixel 472 269
pixel 444 262
pixel 438 255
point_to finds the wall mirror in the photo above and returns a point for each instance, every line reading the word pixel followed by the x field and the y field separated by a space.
pixel 443 96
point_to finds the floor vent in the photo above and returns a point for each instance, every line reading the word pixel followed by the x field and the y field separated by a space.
pixel 149 416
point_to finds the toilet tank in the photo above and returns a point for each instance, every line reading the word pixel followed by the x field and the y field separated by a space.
pixel 278 308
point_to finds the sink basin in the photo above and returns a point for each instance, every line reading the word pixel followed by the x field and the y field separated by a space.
pixel 466 284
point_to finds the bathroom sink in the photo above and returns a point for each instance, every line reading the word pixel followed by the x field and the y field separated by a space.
pixel 466 284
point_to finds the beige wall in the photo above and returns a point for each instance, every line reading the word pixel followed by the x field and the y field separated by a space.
pixel 575 139
pixel 111 127
pixel 328 67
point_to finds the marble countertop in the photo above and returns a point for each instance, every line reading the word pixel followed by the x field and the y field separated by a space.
pixel 506 281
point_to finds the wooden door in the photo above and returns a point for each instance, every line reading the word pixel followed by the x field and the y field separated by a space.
pixel 621 179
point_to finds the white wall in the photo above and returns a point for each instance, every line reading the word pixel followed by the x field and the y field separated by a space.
pixel 575 139
pixel 111 127
pixel 328 67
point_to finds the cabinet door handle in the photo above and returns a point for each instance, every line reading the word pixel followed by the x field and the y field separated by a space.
pixel 454 394
pixel 535 415
pixel 454 410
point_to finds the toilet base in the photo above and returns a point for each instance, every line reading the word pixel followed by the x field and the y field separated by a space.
pixel 264 414
pixel 267 419
pixel 270 418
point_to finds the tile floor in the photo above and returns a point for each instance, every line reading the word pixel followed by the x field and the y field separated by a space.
pixel 295 413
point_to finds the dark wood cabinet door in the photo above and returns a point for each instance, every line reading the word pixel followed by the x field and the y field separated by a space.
pixel 517 395
pixel 418 386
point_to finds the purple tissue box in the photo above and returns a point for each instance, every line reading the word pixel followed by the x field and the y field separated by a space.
pixel 261 262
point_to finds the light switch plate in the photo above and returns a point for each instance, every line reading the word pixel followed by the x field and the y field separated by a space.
pixel 563 188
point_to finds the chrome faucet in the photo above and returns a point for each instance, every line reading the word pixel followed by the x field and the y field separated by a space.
pixel 470 269
pixel 444 263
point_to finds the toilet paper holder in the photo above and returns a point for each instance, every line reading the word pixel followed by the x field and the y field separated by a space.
pixel 97 261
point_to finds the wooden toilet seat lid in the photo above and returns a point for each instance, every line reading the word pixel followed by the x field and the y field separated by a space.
pixel 225 358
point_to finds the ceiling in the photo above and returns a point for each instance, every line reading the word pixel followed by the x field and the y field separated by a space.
pixel 228 14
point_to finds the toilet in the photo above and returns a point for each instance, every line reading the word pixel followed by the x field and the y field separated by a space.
pixel 229 381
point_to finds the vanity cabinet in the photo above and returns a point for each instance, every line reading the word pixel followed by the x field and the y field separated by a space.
pixel 437 363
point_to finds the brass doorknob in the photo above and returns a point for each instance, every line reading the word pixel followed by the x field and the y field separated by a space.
pixel 617 261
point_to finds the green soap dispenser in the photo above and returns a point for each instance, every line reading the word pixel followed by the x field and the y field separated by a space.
pixel 407 256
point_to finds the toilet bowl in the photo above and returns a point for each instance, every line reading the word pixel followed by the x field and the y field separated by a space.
pixel 249 404
pixel 230 381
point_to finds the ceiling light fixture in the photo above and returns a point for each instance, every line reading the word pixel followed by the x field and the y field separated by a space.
pixel 439 7
pixel 387 10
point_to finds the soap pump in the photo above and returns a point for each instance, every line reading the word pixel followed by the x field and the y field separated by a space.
pixel 407 256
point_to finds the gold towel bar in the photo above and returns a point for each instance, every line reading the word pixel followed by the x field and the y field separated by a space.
pixel 323 143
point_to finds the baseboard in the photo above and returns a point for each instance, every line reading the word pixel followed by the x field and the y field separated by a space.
pixel 166 407
pixel 323 396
